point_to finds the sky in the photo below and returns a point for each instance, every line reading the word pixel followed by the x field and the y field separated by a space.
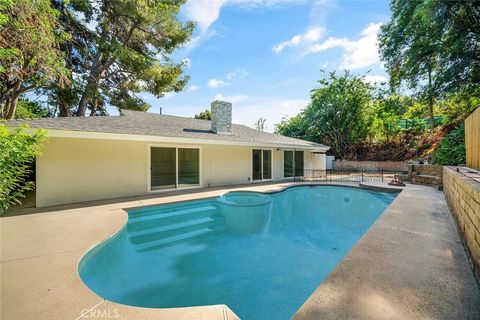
pixel 265 56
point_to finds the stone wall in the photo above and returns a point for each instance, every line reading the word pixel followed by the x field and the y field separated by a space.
pixel 368 165
pixel 221 112
pixel 463 198
pixel 426 174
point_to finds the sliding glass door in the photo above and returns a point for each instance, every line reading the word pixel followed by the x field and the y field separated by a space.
pixel 257 164
pixel 298 163
pixel 172 168
pixel 188 167
pixel 287 164
pixel 267 165
pixel 293 164
pixel 261 164
pixel 163 168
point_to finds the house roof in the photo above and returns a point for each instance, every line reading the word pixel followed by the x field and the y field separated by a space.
pixel 158 125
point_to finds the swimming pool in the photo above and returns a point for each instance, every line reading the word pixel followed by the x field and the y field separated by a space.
pixel 260 254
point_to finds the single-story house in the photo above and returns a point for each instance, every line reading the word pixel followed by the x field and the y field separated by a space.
pixel 91 158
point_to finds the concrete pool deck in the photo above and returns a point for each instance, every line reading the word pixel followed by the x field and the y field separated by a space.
pixel 411 264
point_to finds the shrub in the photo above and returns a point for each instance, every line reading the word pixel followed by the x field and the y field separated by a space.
pixel 452 148
pixel 18 149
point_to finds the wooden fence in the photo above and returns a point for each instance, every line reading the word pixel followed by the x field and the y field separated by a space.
pixel 472 139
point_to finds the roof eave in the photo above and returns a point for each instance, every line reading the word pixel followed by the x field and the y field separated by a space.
pixel 168 139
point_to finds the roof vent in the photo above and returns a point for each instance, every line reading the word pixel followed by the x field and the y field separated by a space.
pixel 221 117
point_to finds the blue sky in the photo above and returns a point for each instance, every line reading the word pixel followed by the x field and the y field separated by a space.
pixel 265 56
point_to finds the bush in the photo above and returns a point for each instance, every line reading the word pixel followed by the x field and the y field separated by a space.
pixel 452 148
pixel 18 149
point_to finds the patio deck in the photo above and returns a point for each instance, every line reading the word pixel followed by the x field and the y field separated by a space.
pixel 411 264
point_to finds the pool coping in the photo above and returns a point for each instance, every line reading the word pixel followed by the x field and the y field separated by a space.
pixel 20 258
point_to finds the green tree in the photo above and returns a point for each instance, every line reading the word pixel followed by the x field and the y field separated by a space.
pixel 452 148
pixel 295 127
pixel 76 18
pixel 205 115
pixel 29 50
pixel 433 47
pixel 130 52
pixel 339 114
pixel 19 149
pixel 459 56
pixel 409 46
pixel 387 110
pixel 28 109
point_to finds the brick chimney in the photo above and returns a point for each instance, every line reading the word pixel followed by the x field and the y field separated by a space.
pixel 221 117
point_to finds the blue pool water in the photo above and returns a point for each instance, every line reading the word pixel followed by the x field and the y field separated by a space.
pixel 262 255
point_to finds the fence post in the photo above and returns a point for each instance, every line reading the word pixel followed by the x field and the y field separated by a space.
pixel 362 174
pixel 382 175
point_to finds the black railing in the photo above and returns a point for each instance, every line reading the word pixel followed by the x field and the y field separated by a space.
pixel 348 175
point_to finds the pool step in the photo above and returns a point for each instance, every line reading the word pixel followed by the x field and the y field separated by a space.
pixel 167 208
pixel 165 226
pixel 161 217
pixel 169 230
pixel 180 238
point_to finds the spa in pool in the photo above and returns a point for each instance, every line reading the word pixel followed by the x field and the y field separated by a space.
pixel 251 251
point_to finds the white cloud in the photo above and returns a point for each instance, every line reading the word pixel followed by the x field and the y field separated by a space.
pixel 363 52
pixel 193 88
pixel 375 78
pixel 206 12
pixel 270 108
pixel 217 83
pixel 169 95
pixel 237 73
pixel 232 99
pixel 294 103
pixel 312 35
pixel 359 53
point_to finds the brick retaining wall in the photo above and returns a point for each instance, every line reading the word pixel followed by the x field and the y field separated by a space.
pixel 368 165
pixel 463 198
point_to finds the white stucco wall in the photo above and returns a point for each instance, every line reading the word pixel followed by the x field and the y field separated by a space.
pixel 314 161
pixel 74 170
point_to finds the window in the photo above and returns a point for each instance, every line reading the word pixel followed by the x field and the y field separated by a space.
pixel 257 164
pixel 298 163
pixel 188 167
pixel 267 164
pixel 163 168
pixel 287 164
pixel 292 164
pixel 261 164
pixel 172 168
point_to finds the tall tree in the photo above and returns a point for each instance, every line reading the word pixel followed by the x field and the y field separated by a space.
pixel 29 50
pixel 205 115
pixel 410 46
pixel 338 114
pixel 76 18
pixel 460 55
pixel 132 44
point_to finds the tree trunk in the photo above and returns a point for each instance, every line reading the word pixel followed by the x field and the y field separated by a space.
pixel 12 106
pixel 430 99
pixel 97 71
pixel 11 101
pixel 86 97
pixel 64 109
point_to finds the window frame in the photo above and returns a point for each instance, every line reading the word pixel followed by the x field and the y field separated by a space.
pixel 293 162
pixel 149 165
pixel 261 166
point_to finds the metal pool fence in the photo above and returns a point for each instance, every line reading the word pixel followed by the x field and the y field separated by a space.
pixel 348 175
